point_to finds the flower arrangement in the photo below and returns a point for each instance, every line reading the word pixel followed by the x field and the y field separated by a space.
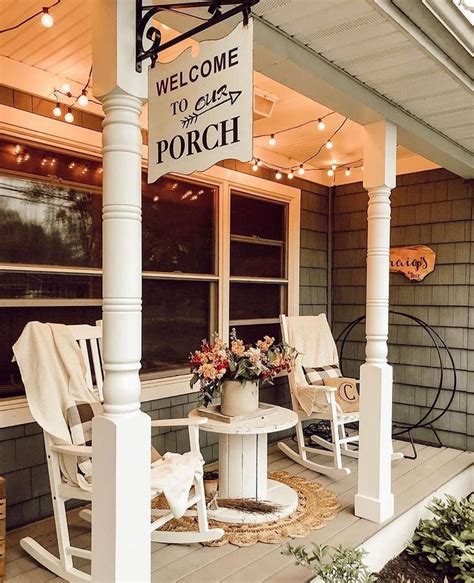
pixel 216 363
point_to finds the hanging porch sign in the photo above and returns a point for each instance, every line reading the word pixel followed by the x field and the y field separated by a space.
pixel 200 108
pixel 415 262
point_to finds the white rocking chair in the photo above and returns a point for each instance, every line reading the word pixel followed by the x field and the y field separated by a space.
pixel 340 445
pixel 89 340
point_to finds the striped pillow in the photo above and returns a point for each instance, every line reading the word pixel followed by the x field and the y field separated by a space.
pixel 317 375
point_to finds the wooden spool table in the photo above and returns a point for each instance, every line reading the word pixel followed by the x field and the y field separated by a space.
pixel 243 464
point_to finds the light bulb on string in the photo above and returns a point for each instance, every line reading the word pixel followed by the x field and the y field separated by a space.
pixel 43 162
pixel 329 145
pixel 362 168
pixel 255 167
pixel 69 117
pixel 71 165
pixel 17 148
pixel 26 157
pixel 347 172
pixel 82 99
pixel 321 125
pixel 46 19
pixel 278 175
pixel 19 159
pixel 330 172
pixel 259 163
pixel 66 88
pixel 57 110
pixel 301 170
pixel 333 166
pixel 272 141
pixel 290 175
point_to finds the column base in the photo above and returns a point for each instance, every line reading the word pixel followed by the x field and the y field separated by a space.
pixel 376 510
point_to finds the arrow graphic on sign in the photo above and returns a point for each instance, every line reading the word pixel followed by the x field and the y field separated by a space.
pixel 192 118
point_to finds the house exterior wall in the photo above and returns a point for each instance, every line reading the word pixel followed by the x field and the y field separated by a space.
pixel 433 208
pixel 22 457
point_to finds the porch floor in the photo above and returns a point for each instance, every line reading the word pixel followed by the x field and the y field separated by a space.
pixel 413 480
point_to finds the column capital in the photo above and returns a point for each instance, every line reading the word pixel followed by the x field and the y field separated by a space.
pixel 113 50
pixel 380 155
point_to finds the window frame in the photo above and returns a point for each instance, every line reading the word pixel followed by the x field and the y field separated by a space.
pixel 15 411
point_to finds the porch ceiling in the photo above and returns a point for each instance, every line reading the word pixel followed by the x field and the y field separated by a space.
pixel 362 38
pixel 356 35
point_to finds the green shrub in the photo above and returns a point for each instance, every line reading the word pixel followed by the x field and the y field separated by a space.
pixel 340 566
pixel 447 539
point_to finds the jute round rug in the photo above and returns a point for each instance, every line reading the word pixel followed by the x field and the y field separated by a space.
pixel 316 507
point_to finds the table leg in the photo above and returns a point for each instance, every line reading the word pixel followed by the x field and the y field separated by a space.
pixel 243 466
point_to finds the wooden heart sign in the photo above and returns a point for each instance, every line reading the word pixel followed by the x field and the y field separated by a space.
pixel 415 262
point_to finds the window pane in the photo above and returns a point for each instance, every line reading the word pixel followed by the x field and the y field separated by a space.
pixel 256 217
pixel 256 300
pixel 250 334
pixel 12 322
pixel 46 223
pixel 179 227
pixel 176 317
pixel 256 260
pixel 49 285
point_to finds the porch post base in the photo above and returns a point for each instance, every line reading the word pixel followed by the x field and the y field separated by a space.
pixel 377 510
pixel 121 497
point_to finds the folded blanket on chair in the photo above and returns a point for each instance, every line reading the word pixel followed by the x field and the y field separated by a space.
pixel 173 475
pixel 53 371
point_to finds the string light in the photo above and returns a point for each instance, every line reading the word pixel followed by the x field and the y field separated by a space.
pixel 46 19
pixel 85 170
pixel 329 145
pixel 26 157
pixel 278 175
pixel 330 172
pixel 347 172
pixel 83 99
pixel 333 166
pixel 272 141
pixel 362 168
pixel 259 162
pixel 255 167
pixel 69 117
pixel 290 175
pixel 17 149
pixel 43 162
pixel 301 170
pixel 321 125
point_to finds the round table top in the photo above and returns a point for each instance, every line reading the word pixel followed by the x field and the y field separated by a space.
pixel 278 420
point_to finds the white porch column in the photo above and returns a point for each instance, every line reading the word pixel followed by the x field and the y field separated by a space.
pixel 122 435
pixel 374 499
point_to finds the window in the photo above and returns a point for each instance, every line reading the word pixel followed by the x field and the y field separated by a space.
pixel 218 252
pixel 258 265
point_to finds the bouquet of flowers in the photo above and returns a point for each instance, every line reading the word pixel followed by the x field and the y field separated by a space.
pixel 216 363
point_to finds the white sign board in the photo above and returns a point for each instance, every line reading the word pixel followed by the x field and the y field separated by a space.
pixel 200 108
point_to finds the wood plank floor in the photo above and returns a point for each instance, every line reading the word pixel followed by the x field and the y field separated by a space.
pixel 412 481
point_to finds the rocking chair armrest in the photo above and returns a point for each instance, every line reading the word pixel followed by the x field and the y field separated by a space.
pixel 77 450
pixel 177 422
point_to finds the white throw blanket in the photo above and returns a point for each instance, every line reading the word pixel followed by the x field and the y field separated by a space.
pixel 173 475
pixel 312 338
pixel 53 371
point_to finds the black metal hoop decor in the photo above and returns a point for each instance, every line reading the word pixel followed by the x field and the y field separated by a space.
pixel 431 416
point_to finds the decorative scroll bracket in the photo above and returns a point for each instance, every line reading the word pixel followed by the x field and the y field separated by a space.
pixel 144 15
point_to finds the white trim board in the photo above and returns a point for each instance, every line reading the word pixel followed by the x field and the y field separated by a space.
pixel 388 542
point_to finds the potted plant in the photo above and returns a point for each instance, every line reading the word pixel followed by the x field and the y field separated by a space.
pixel 237 371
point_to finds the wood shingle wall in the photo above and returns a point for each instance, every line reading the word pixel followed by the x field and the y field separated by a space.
pixel 433 208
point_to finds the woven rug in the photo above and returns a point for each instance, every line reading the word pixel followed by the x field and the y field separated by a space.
pixel 316 507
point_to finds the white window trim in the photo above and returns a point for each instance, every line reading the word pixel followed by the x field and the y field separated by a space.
pixel 15 411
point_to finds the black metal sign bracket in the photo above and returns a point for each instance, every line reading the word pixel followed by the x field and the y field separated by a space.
pixel 144 14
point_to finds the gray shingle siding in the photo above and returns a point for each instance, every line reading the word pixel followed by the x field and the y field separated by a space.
pixel 433 208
